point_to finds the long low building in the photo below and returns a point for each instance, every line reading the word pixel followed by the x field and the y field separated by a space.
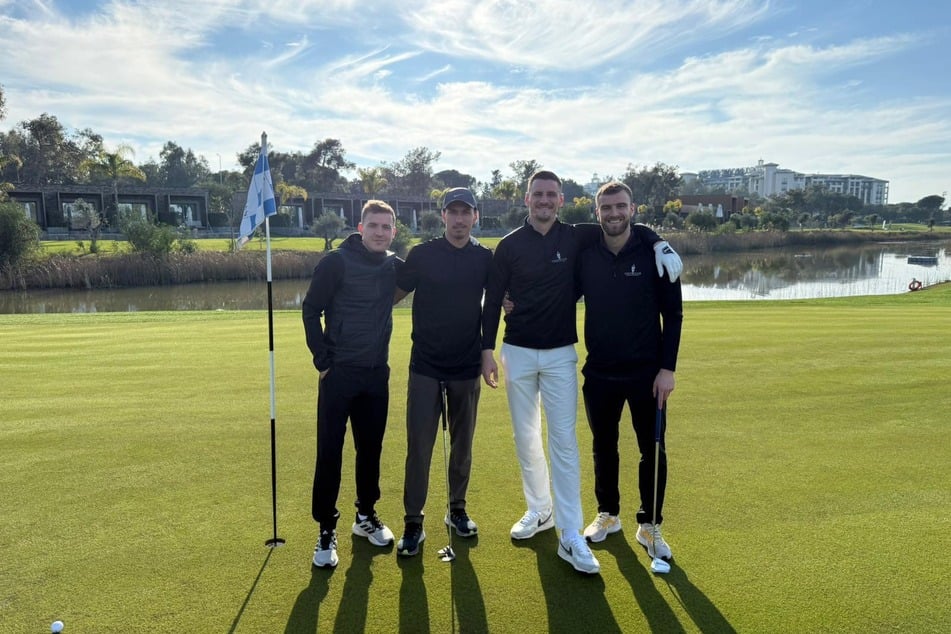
pixel 768 179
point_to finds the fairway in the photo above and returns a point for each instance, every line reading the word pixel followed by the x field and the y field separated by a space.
pixel 809 490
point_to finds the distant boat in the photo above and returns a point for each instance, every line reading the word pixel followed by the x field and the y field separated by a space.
pixel 927 260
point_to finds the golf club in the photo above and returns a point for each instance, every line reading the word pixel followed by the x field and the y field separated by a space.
pixel 446 554
pixel 658 565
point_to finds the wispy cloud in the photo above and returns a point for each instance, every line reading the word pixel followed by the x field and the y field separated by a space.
pixel 581 87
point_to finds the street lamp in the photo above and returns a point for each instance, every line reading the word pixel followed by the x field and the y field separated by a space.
pixel 220 181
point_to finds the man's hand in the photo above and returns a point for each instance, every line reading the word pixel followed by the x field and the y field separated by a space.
pixel 667 258
pixel 490 371
pixel 663 386
pixel 507 305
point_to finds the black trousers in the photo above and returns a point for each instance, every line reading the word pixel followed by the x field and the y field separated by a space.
pixel 604 402
pixel 361 395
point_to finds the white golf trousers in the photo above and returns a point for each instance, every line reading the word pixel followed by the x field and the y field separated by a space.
pixel 549 377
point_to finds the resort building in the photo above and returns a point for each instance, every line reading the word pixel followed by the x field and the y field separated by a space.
pixel 768 179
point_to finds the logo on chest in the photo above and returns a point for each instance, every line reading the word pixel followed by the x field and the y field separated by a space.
pixel 633 272
pixel 558 259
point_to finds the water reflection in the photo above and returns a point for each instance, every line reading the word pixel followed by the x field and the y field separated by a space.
pixel 776 274
pixel 812 273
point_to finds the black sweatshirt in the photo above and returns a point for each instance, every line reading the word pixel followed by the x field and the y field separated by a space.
pixel 625 302
pixel 538 273
pixel 447 307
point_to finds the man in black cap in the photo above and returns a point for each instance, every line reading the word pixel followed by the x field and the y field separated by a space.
pixel 448 275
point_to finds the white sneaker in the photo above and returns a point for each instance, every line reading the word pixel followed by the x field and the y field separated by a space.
pixel 532 522
pixel 650 538
pixel 602 526
pixel 325 552
pixel 574 549
pixel 373 529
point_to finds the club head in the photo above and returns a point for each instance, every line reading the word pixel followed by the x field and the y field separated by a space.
pixel 446 554
pixel 660 566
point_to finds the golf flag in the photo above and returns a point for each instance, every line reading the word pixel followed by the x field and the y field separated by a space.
pixel 260 203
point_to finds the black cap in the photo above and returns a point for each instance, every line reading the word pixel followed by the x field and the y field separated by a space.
pixel 459 194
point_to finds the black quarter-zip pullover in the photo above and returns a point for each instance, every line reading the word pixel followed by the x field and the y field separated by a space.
pixel 633 318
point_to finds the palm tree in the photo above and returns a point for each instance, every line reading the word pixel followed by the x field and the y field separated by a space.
pixel 9 159
pixel 286 192
pixel 372 180
pixel 113 166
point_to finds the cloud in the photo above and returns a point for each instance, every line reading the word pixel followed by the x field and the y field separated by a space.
pixel 565 34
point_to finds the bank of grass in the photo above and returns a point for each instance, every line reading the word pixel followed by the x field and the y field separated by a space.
pixel 809 491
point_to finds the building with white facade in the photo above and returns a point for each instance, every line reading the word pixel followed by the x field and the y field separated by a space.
pixel 768 179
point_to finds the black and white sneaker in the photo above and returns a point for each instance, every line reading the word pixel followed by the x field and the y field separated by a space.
pixel 459 519
pixel 325 552
pixel 373 529
pixel 413 535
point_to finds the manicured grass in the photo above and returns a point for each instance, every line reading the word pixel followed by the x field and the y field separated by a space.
pixel 809 491
pixel 106 247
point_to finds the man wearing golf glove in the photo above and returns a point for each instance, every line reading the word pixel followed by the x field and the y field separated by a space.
pixel 632 335
pixel 535 264
pixel 448 275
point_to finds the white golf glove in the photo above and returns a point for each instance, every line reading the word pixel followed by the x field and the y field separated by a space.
pixel 667 258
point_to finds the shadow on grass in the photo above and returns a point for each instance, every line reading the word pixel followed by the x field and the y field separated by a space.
pixel 352 613
pixel 303 617
pixel 575 601
pixel 247 599
pixel 467 598
pixel 414 604
pixel 658 613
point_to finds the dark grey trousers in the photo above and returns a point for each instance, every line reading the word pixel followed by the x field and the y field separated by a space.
pixel 423 423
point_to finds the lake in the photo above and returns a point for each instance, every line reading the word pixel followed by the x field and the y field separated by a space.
pixel 879 269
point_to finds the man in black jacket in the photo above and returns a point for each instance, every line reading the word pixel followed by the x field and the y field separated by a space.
pixel 352 289
pixel 632 335
pixel 448 275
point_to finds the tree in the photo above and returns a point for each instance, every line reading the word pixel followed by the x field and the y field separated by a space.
pixel 523 170
pixel 47 153
pixel 3 104
pixel 653 186
pixel 320 169
pixel 287 192
pixel 572 189
pixel 372 180
pixel 453 178
pixel 327 226
pixel 113 167
pixel 180 167
pixel 580 210
pixel 931 203
pixel 86 217
pixel 413 174
pixel 19 236
pixel 430 225
pixel 507 190
pixel 701 221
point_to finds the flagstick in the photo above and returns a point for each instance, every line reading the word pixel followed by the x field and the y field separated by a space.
pixel 275 541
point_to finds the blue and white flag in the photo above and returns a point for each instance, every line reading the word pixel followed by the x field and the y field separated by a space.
pixel 260 202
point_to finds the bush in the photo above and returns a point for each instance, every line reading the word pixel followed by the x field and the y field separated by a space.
pixel 216 219
pixel 19 236
pixel 401 242
pixel 430 226
pixel 145 237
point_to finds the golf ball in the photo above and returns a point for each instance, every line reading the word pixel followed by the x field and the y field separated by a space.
pixel 56 627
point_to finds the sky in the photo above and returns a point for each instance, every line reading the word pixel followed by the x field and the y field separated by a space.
pixel 583 87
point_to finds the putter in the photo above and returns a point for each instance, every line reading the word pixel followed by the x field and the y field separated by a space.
pixel 658 565
pixel 446 554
